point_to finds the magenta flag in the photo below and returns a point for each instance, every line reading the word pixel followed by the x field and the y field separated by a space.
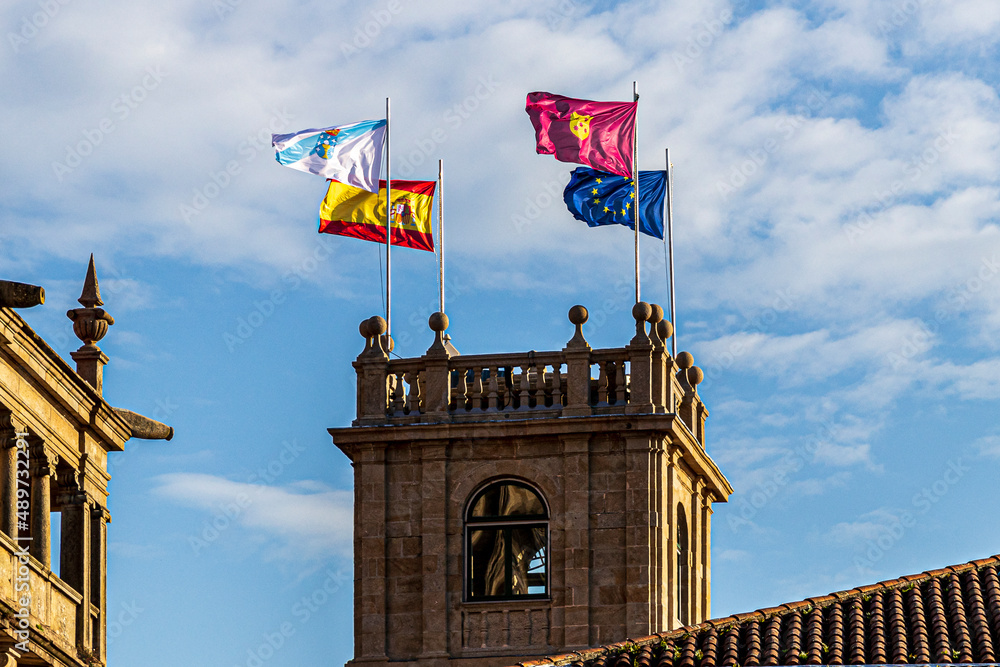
pixel 597 134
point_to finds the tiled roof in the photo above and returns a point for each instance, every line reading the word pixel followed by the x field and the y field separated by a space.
pixel 942 616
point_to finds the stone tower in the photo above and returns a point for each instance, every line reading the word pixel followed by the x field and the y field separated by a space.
pixel 56 433
pixel 517 505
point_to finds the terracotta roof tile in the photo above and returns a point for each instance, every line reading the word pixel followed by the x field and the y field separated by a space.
pixel 834 616
pixel 753 643
pixel 948 615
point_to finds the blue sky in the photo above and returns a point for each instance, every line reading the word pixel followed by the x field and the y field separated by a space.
pixel 837 241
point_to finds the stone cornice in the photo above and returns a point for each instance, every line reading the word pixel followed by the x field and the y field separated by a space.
pixel 351 439
pixel 40 365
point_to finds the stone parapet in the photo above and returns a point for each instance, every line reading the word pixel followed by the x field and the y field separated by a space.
pixel 577 381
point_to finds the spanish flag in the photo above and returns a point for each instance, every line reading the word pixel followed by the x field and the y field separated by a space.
pixel 350 211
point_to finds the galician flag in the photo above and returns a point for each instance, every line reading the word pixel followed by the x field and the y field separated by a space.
pixel 351 154
pixel 596 134
pixel 350 211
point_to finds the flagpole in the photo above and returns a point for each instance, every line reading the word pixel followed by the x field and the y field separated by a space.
pixel 441 235
pixel 670 250
pixel 388 232
pixel 635 183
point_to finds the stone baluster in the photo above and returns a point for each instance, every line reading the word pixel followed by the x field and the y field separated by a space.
pixel 640 355
pixel 524 397
pixel 398 392
pixel 10 431
pixel 436 377
pixel 43 468
pixel 602 382
pixel 372 369
pixel 462 391
pixel 557 385
pixel 477 388
pixel 413 395
pixel 75 544
pixel 505 399
pixel 540 389
pixel 621 383
pixel 491 402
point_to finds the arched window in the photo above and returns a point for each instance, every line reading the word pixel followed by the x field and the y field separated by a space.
pixel 506 543
pixel 683 568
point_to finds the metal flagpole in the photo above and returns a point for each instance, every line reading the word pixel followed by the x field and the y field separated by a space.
pixel 388 229
pixel 441 235
pixel 670 250
pixel 635 184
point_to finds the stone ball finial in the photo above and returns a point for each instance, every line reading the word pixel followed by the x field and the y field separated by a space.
pixel 641 311
pixel 438 321
pixel 377 325
pixel 695 375
pixel 365 329
pixel 685 360
pixel 656 315
pixel 664 329
pixel 578 315
pixel 388 344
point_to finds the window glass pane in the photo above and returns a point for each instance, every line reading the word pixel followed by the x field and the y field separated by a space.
pixel 503 500
pixel 487 563
pixel 528 560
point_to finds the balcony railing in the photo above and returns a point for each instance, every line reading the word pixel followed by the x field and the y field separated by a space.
pixel 577 381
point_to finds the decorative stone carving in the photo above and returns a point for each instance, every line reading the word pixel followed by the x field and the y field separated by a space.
pixel 90 324
pixel 20 295
pixel 144 427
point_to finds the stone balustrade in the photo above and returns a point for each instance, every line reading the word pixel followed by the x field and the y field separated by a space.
pixel 577 381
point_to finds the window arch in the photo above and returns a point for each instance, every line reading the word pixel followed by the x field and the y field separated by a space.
pixel 683 568
pixel 506 543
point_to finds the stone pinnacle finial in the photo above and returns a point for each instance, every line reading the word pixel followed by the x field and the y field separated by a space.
pixel 91 290
pixel 90 324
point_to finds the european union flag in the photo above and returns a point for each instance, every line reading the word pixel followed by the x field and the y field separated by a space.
pixel 599 198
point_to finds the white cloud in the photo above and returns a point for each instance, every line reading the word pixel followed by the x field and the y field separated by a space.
pixel 301 522
pixel 979 380
pixel 867 527
pixel 988 445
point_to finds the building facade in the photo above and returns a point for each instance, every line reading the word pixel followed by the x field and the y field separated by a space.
pixel 514 505
pixel 56 433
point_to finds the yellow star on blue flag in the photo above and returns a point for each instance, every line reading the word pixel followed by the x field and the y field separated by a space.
pixel 599 198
